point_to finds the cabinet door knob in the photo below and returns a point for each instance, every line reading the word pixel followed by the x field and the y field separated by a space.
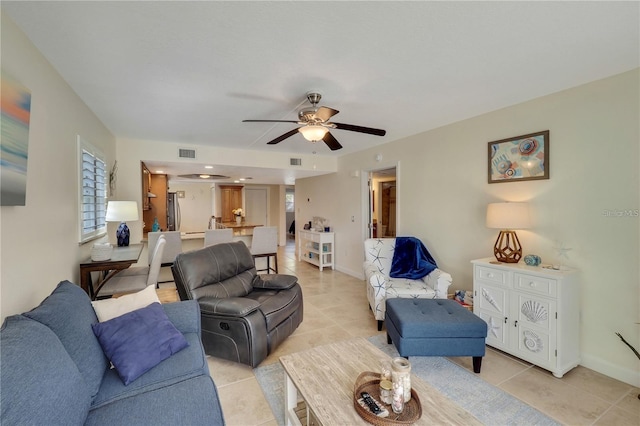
pixel 532 284
pixel 515 323
pixel 490 275
pixel 505 319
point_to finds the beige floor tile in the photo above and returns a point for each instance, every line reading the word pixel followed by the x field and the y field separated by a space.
pixel 553 396
pixel 225 372
pixel 496 368
pixel 360 328
pixel 618 417
pixel 597 384
pixel 631 402
pixel 244 404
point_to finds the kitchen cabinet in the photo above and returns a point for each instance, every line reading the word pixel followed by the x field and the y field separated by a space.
pixel 230 199
pixel 316 248
pixel 158 204
pixel 532 313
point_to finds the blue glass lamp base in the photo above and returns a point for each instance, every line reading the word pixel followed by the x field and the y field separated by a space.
pixel 122 235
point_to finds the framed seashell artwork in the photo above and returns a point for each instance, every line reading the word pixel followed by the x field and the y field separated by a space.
pixel 524 157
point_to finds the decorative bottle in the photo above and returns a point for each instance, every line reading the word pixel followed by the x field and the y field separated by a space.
pixel 156 226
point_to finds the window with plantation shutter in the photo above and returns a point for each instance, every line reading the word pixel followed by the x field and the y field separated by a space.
pixel 93 191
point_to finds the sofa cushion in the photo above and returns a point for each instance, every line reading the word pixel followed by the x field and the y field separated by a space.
pixel 41 383
pixel 189 362
pixel 110 308
pixel 189 402
pixel 138 341
pixel 68 313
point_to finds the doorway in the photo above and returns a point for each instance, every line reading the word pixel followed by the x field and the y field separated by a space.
pixel 256 206
pixel 383 204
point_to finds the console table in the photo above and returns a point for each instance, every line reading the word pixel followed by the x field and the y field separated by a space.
pixel 121 258
pixel 316 248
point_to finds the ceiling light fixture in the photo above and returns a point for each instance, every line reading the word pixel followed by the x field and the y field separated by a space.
pixel 205 176
pixel 313 133
pixel 208 167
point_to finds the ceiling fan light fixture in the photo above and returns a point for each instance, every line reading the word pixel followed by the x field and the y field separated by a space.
pixel 313 133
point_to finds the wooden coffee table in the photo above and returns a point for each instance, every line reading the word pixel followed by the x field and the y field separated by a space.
pixel 325 376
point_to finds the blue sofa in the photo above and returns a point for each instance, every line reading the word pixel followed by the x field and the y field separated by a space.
pixel 53 371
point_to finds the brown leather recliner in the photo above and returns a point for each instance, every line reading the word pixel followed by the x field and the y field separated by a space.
pixel 245 316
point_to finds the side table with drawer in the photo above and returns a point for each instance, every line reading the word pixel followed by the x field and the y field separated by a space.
pixel 532 313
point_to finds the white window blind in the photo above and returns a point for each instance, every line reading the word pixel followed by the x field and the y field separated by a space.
pixel 93 191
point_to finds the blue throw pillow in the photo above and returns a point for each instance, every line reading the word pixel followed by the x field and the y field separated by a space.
pixel 139 340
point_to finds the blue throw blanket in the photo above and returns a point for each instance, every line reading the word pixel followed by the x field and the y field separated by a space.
pixel 411 259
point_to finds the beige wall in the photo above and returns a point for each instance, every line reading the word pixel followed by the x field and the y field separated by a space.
pixel 40 240
pixel 443 194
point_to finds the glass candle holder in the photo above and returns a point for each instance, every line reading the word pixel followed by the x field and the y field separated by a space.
pixel 401 373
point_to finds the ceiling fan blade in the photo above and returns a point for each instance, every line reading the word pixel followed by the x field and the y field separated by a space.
pixel 331 142
pixel 325 113
pixel 269 121
pixel 283 137
pixel 360 129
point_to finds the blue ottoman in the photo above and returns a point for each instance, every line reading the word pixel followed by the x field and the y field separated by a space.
pixel 435 327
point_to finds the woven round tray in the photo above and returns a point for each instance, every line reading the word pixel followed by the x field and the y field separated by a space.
pixel 369 382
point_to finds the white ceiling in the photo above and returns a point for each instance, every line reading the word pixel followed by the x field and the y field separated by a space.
pixel 190 72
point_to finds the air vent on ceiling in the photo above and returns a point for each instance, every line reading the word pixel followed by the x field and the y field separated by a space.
pixel 295 161
pixel 186 153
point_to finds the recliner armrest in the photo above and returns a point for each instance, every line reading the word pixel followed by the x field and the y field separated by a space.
pixel 275 281
pixel 231 306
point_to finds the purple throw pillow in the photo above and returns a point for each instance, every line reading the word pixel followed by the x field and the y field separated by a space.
pixel 139 340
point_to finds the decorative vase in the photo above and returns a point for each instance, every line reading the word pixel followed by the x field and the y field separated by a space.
pixel 238 219
pixel 156 226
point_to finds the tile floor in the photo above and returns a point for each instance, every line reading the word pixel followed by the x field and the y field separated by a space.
pixel 582 397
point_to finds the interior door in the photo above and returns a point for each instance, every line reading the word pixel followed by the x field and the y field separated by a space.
pixel 382 208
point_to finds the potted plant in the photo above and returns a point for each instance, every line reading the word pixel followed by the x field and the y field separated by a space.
pixel 630 347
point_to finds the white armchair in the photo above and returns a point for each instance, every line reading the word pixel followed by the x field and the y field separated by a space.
pixel 378 254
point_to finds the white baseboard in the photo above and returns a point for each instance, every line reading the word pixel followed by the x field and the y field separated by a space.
pixel 359 275
pixel 625 375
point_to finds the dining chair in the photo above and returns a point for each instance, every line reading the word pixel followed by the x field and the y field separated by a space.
pixel 217 236
pixel 264 243
pixel 172 249
pixel 137 278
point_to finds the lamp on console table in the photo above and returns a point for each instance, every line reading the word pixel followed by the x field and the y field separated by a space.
pixel 122 211
pixel 507 217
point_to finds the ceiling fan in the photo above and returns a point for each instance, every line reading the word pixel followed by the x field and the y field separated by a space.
pixel 315 124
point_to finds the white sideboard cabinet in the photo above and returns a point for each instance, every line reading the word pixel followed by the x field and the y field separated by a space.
pixel 316 248
pixel 532 313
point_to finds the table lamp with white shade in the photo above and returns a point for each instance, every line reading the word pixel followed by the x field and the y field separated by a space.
pixel 122 211
pixel 507 217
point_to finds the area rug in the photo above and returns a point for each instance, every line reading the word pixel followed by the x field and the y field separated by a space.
pixel 489 404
